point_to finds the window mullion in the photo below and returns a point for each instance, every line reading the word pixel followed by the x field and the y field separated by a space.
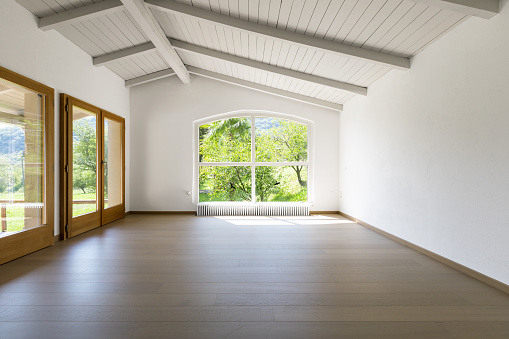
pixel 253 159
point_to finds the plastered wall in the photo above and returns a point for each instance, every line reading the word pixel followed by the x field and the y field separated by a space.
pixel 425 156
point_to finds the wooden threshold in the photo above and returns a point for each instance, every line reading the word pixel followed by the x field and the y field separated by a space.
pixel 468 271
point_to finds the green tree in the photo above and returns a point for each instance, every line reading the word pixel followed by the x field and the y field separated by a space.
pixel 285 142
pixel 267 182
pixel 229 140
pixel 233 183
pixel 84 154
pixel 12 146
pixel 226 141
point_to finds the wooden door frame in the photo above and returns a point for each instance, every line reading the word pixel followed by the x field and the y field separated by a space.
pixel 31 240
pixel 66 101
pixel 115 212
pixel 89 221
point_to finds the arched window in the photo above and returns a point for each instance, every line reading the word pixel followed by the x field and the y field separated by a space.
pixel 253 157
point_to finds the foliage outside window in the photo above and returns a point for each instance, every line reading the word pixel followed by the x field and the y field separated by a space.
pixel 84 155
pixel 253 159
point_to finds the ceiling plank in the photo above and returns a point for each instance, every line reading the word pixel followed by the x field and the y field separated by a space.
pixel 149 77
pixel 392 61
pixel 149 25
pixel 106 59
pixel 485 9
pixel 265 89
pixel 79 14
pixel 184 46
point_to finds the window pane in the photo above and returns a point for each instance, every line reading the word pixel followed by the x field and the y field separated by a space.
pixel 226 140
pixel 225 183
pixel 280 140
pixel 113 163
pixel 84 162
pixel 281 183
pixel 21 158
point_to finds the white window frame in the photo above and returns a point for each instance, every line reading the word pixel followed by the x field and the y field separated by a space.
pixel 253 163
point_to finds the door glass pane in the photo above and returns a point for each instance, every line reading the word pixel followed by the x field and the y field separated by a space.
pixel 280 140
pixel 21 158
pixel 113 163
pixel 84 162
pixel 281 183
pixel 225 183
pixel 227 140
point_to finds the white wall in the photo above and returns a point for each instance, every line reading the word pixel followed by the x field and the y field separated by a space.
pixel 162 116
pixel 426 155
pixel 51 59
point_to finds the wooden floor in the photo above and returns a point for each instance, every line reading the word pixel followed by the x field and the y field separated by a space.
pixel 157 276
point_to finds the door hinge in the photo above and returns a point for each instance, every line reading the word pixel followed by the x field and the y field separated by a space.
pixel 67 228
pixel 67 108
pixel 67 168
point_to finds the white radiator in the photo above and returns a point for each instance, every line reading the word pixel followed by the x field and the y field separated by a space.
pixel 262 210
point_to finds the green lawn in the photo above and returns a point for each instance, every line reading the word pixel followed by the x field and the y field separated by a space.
pixel 80 209
pixel 20 195
pixel 15 213
pixel 15 218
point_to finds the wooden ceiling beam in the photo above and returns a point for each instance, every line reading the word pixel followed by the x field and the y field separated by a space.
pixel 109 58
pixel 184 46
pixel 265 89
pixel 149 25
pixel 283 35
pixel 149 77
pixel 55 21
pixel 485 9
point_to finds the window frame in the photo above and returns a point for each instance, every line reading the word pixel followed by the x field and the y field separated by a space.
pixel 30 240
pixel 253 114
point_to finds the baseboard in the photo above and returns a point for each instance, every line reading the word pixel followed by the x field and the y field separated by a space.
pixel 474 274
pixel 323 212
pixel 56 238
pixel 163 212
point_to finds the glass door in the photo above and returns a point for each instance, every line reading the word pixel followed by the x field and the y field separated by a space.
pixel 26 160
pixel 93 162
pixel 113 168
pixel 83 164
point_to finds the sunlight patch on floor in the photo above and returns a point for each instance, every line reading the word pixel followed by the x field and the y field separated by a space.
pixel 282 221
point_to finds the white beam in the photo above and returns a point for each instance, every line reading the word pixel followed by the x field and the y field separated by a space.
pixel 485 9
pixel 149 25
pixel 265 89
pixel 149 77
pixel 122 54
pixel 6 91
pixel 6 115
pixel 287 36
pixel 79 14
pixel 184 46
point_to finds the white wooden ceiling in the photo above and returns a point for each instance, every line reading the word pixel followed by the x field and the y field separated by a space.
pixel 12 100
pixel 399 28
